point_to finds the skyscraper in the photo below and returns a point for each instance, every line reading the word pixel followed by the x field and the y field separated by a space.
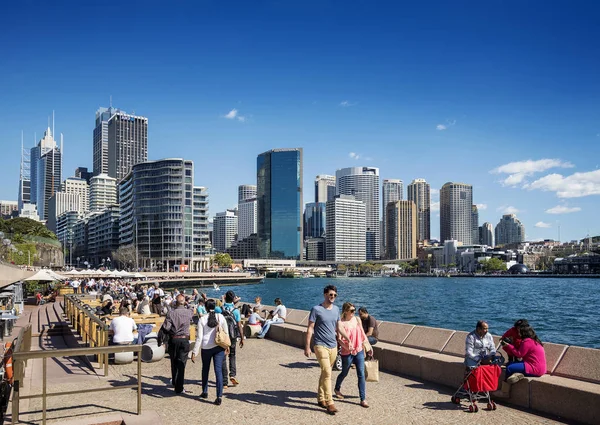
pixel 103 192
pixel 279 208
pixel 346 239
pixel 246 218
pixel 391 191
pixel 225 229
pixel 78 186
pixel 314 220
pixel 474 224
pixel 401 230
pixel 324 188
pixel 419 193
pixel 83 173
pixel 46 170
pixel 127 143
pixel 24 177
pixel 363 184
pixel 456 202
pixel 487 234
pixel 509 230
pixel 100 138
pixel 246 191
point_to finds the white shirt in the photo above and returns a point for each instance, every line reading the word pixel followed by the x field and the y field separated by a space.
pixel 122 328
pixel 205 335
pixel 280 311
pixel 75 283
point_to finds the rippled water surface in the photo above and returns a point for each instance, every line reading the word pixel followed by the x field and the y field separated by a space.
pixel 561 310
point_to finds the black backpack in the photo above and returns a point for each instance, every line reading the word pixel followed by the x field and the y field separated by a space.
pixel 232 326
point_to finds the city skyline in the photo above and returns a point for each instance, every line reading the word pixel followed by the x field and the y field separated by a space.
pixel 519 123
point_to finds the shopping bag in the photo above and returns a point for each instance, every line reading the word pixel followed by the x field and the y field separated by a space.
pixel 372 370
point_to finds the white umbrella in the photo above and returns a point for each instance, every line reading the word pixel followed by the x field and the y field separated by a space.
pixel 56 275
pixel 42 275
pixel 139 276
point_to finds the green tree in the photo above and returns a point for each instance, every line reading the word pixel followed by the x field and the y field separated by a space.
pixel 25 227
pixel 493 265
pixel 222 259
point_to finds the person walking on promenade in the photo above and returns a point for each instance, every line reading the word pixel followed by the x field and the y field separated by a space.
pixel 205 340
pixel 177 325
pixel 277 316
pixel 323 322
pixel 369 325
pixel 236 331
pixel 354 354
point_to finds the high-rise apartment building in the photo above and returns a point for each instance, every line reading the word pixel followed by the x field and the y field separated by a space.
pixel 127 143
pixel 324 188
pixel 456 204
pixel 279 208
pixel 60 203
pixel 314 220
pixel 486 232
pixel 346 238
pixel 419 192
pixel 78 186
pixel 391 191
pixel 401 228
pixel 474 224
pixel 246 191
pixel 363 184
pixel 46 171
pixel 103 234
pixel 509 230
pixel 225 230
pixel 103 192
pixel 164 215
pixel 246 218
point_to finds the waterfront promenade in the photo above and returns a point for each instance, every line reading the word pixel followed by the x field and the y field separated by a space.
pixel 277 383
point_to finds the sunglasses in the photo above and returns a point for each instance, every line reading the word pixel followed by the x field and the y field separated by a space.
pixel 352 310
pixel 332 295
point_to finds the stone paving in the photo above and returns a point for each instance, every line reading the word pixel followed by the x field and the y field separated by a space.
pixel 277 383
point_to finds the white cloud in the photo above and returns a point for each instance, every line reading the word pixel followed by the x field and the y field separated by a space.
pixel 542 225
pixel 354 155
pixel 519 170
pixel 441 127
pixel 347 103
pixel 241 118
pixel 231 114
pixel 435 206
pixel 574 186
pixel 508 209
pixel 562 209
pixel 482 207
pixel 435 193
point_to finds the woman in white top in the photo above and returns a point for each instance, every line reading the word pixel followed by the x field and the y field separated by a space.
pixel 205 339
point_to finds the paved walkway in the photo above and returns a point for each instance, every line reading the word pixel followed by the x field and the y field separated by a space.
pixel 277 383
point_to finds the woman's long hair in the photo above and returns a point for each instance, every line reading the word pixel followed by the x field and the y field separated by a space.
pixel 347 307
pixel 528 332
pixel 212 316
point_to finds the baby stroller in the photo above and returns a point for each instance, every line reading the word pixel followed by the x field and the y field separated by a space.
pixel 478 383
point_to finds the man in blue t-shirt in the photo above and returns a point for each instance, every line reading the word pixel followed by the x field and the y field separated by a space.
pixel 323 322
pixel 235 312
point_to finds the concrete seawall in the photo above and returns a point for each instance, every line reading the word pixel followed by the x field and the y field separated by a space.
pixel 570 389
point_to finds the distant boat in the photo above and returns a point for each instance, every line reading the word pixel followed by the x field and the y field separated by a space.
pixel 216 287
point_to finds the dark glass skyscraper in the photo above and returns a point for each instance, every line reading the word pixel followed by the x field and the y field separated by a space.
pixel 279 196
pixel 314 220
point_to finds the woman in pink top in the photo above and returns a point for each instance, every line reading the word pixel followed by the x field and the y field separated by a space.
pixel 531 351
pixel 354 354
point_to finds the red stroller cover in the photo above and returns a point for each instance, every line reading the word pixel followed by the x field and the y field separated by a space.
pixel 484 378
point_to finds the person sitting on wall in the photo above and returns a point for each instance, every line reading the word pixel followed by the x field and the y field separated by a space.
pixel 479 345
pixel 255 319
pixel 513 336
pixel 369 325
pixel 277 316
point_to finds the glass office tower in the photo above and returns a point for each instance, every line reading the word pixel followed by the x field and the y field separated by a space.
pixel 279 196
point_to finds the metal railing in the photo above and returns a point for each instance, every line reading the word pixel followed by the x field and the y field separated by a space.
pixel 20 359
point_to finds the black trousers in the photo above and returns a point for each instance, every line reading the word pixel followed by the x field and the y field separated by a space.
pixel 232 366
pixel 178 351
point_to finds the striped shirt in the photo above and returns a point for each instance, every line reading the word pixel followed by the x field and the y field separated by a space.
pixel 177 322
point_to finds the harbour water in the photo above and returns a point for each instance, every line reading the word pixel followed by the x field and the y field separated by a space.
pixel 562 310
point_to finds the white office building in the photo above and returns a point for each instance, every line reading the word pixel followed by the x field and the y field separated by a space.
pixel 246 218
pixel 324 188
pixel 346 238
pixel 78 186
pixel 103 192
pixel 363 184
pixel 225 229
pixel 60 203
pixel 246 192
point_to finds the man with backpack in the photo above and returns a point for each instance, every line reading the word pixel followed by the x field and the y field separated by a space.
pixel 234 324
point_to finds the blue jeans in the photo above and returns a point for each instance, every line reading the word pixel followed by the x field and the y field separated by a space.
pixel 516 367
pixel 267 325
pixel 217 354
pixel 372 340
pixel 359 361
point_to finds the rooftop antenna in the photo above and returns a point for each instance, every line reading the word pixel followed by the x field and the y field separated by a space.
pixel 61 157
pixel 110 103
pixel 53 124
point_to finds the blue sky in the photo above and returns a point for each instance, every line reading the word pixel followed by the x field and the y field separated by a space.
pixel 446 91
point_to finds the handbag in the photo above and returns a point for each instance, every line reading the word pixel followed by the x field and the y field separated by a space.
pixel 221 338
pixel 372 370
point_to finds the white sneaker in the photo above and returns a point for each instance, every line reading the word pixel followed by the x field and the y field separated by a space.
pixel 514 378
